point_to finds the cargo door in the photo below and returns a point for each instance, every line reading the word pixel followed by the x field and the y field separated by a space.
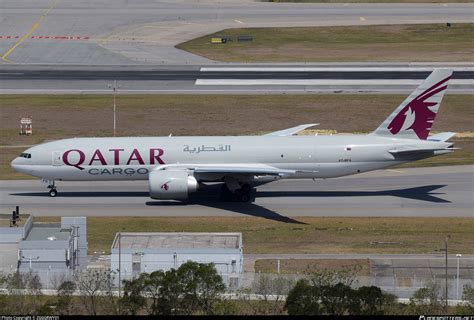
pixel 57 161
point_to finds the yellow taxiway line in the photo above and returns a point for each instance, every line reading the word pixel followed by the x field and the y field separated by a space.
pixel 30 31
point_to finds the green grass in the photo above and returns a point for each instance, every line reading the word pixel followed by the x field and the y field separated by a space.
pixel 319 235
pixel 396 43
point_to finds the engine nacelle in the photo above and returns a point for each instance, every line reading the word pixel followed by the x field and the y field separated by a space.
pixel 171 184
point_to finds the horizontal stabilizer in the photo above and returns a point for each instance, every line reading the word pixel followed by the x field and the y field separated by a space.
pixel 415 151
pixel 443 136
pixel 291 131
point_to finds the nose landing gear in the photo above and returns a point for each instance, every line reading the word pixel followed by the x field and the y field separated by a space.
pixel 53 192
pixel 52 188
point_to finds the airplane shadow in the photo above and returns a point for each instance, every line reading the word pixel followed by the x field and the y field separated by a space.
pixel 423 193
pixel 87 194
pixel 208 197
pixel 250 209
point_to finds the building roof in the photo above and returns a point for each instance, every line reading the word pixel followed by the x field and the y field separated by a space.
pixel 9 254
pixel 48 233
pixel 181 240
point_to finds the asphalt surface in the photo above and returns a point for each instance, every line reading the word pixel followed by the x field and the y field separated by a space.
pixel 121 32
pixel 192 75
pixel 415 192
pixel 236 79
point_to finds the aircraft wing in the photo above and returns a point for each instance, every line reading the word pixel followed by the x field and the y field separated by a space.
pixel 291 131
pixel 250 169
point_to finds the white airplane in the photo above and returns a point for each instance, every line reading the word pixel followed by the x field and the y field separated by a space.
pixel 177 166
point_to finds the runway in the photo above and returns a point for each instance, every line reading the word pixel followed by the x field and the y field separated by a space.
pixel 192 75
pixel 237 79
pixel 414 192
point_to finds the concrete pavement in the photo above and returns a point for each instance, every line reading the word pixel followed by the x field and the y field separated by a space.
pixel 142 32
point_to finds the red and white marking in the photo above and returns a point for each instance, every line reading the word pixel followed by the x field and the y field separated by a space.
pixel 49 37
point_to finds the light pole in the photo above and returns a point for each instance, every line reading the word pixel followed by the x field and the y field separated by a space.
pixel 114 87
pixel 446 273
pixel 458 256
pixel 120 271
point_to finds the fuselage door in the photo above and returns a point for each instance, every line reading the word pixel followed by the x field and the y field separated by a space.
pixel 57 158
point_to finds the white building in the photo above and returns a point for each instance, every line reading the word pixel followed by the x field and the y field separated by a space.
pixel 150 251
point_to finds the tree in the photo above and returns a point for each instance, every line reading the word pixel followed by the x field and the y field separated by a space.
pixel 466 308
pixel 303 299
pixel 201 285
pixel 338 299
pixel 190 289
pixel 133 300
pixel 427 300
pixel 323 294
pixel 64 305
pixel 26 288
pixel 370 301
pixel 468 294
pixel 271 292
pixel 170 294
pixel 95 288
pixel 152 288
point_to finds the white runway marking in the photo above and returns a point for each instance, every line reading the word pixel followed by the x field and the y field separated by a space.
pixel 325 69
pixel 317 82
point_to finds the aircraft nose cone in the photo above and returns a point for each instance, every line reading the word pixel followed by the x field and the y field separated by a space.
pixel 14 163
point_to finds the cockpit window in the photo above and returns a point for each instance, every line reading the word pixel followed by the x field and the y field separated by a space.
pixel 25 155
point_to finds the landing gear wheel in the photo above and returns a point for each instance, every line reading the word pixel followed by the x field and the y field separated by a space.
pixel 53 193
pixel 244 193
pixel 245 197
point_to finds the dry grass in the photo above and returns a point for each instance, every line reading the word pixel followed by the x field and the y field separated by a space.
pixel 63 116
pixel 319 235
pixel 371 1
pixel 5 220
pixel 301 265
pixel 395 43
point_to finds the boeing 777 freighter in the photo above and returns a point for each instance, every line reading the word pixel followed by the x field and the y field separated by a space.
pixel 177 166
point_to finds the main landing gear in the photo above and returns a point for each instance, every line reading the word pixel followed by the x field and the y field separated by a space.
pixel 52 188
pixel 243 194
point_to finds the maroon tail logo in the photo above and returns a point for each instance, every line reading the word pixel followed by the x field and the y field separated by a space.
pixel 165 186
pixel 419 109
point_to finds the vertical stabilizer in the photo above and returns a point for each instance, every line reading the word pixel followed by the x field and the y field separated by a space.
pixel 414 118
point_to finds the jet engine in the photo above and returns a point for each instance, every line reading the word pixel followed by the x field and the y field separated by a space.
pixel 171 184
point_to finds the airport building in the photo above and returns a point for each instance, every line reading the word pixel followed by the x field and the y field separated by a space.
pixel 52 250
pixel 148 251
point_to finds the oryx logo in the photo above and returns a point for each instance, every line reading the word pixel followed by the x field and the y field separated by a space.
pixel 417 115
pixel 165 186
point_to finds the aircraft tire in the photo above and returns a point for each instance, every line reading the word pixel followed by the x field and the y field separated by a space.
pixel 53 193
pixel 245 197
